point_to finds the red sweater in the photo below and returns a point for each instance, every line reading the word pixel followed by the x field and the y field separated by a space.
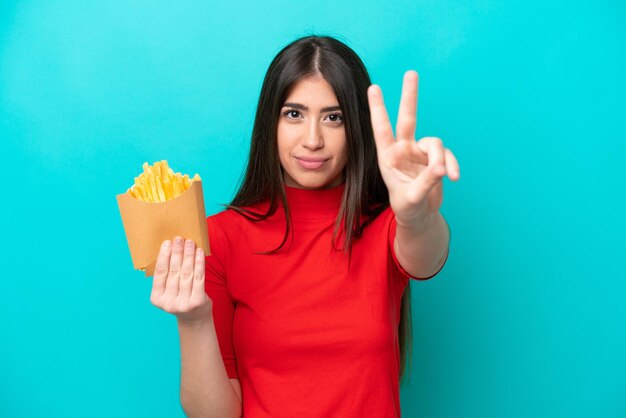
pixel 306 335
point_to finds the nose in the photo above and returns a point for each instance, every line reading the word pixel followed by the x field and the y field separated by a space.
pixel 313 137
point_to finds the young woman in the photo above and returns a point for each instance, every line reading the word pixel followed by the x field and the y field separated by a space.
pixel 303 307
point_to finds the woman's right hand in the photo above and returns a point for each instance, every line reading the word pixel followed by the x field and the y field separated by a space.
pixel 178 284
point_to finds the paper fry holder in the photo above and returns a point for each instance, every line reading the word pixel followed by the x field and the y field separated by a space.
pixel 147 224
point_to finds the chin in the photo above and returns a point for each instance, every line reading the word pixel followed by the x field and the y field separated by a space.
pixel 312 180
pixel 310 183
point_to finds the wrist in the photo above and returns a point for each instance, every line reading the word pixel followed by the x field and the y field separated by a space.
pixel 420 224
pixel 195 324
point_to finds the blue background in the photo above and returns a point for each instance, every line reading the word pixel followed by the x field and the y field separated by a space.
pixel 528 317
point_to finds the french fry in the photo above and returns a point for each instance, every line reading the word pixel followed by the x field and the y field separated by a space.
pixel 138 188
pixel 159 183
pixel 140 193
pixel 179 181
pixel 167 187
pixel 159 169
pixel 153 190
pixel 166 168
pixel 159 187
pixel 145 182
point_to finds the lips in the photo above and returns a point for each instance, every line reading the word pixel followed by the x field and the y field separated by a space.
pixel 311 163
pixel 312 159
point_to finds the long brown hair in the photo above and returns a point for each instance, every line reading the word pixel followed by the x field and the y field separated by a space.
pixel 365 195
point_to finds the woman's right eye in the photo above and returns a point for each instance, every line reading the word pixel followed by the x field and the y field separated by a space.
pixel 290 114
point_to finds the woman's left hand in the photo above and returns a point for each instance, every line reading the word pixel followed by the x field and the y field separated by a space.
pixel 412 170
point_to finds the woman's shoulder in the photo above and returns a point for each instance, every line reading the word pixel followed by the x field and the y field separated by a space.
pixel 378 214
pixel 225 215
pixel 233 227
pixel 235 218
pixel 222 226
pixel 223 222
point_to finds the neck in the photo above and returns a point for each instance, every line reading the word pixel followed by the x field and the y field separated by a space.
pixel 314 203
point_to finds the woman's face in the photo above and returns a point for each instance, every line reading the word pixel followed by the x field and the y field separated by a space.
pixel 311 136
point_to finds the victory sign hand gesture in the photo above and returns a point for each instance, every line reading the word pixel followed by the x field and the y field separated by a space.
pixel 412 170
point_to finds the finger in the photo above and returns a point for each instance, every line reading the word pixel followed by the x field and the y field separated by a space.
pixel 383 134
pixel 186 272
pixel 428 179
pixel 407 114
pixel 161 269
pixel 198 290
pixel 407 160
pixel 434 172
pixel 175 266
pixel 416 153
pixel 452 164
pixel 436 156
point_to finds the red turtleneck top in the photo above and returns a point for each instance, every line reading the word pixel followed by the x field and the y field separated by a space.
pixel 306 334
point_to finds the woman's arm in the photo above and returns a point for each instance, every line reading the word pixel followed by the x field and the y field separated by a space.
pixel 205 389
pixel 422 249
pixel 413 172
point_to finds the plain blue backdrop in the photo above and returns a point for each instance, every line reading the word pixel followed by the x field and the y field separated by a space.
pixel 528 317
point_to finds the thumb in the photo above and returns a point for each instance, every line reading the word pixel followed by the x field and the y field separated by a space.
pixel 427 180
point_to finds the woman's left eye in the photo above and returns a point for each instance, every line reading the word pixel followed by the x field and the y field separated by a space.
pixel 335 117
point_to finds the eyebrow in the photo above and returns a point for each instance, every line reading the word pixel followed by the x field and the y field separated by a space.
pixel 306 109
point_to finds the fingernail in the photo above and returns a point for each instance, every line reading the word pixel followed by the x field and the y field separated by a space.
pixel 199 252
pixel 178 241
pixel 167 243
pixel 189 243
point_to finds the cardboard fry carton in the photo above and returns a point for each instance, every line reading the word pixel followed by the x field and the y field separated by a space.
pixel 148 224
